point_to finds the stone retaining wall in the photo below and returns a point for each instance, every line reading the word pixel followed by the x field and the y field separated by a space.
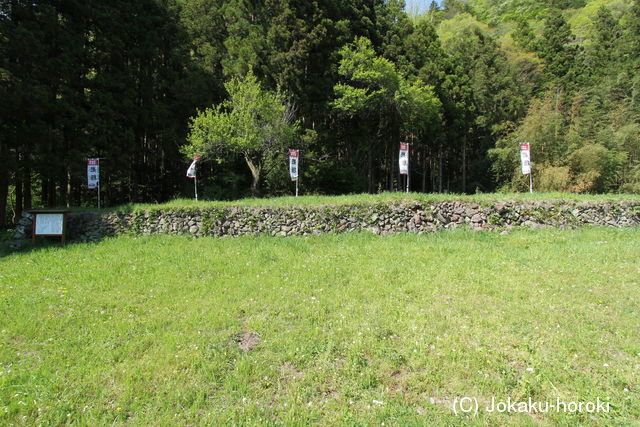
pixel 382 219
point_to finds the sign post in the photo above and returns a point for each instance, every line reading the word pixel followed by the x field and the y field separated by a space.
pixel 404 161
pixel 294 156
pixel 525 159
pixel 93 176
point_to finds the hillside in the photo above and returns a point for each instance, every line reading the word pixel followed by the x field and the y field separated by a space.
pixel 581 63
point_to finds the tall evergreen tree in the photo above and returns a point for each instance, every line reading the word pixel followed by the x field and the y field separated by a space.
pixel 556 47
pixel 606 35
pixel 524 36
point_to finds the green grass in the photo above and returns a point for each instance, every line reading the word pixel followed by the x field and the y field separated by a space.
pixel 354 328
pixel 369 199
pixel 361 199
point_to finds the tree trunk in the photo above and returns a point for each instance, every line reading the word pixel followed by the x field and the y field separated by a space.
pixel 394 148
pixel 255 175
pixel 44 190
pixel 4 184
pixel 52 199
pixel 67 186
pixel 26 183
pixel 390 169
pixel 424 169
pixel 557 109
pixel 440 169
pixel 464 164
pixel 76 185
pixel 370 171
pixel 18 185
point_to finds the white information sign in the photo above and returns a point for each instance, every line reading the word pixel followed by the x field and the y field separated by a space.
pixel 49 224
pixel 404 158
pixel 293 164
pixel 93 173
pixel 525 158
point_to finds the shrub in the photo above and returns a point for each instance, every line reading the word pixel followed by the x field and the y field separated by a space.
pixel 554 178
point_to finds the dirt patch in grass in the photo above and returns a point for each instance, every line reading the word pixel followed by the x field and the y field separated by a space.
pixel 288 371
pixel 247 340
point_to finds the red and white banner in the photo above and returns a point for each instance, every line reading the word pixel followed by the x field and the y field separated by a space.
pixel 404 158
pixel 293 164
pixel 525 158
pixel 191 172
pixel 93 173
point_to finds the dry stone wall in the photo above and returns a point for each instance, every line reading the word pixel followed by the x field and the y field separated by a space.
pixel 413 217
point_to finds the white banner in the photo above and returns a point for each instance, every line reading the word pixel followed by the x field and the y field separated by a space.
pixel 404 158
pixel 293 164
pixel 525 158
pixel 191 172
pixel 93 173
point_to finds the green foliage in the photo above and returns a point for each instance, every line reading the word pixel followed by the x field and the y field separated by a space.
pixel 464 82
pixel 456 28
pixel 373 90
pixel 425 57
pixel 374 84
pixel 245 44
pixel 582 20
pixel 497 11
pixel 553 178
pixel 373 80
pixel 556 47
pixel 253 122
pixel 596 169
pixel 419 108
pixel 524 36
pixel 632 184
pixel 605 39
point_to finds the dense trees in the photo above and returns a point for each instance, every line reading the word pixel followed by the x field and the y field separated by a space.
pixel 464 83
pixel 87 79
pixel 379 102
pixel 584 124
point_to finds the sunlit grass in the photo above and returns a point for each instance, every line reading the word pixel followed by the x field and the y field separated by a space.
pixel 353 328
pixel 367 199
pixel 364 199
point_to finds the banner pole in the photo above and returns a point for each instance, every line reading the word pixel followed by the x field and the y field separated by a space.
pixel 530 182
pixel 99 182
pixel 195 185
pixel 296 187
pixel 407 178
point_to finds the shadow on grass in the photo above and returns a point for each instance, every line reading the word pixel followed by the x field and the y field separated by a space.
pixel 10 247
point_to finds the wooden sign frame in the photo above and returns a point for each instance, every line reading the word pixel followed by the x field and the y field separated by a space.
pixel 62 235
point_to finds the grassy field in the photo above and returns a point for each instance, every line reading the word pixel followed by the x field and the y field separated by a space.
pixel 333 329
pixel 368 199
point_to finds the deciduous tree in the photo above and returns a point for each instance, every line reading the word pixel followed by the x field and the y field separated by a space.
pixel 252 122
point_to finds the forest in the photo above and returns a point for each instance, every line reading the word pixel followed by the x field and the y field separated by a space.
pixel 145 84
